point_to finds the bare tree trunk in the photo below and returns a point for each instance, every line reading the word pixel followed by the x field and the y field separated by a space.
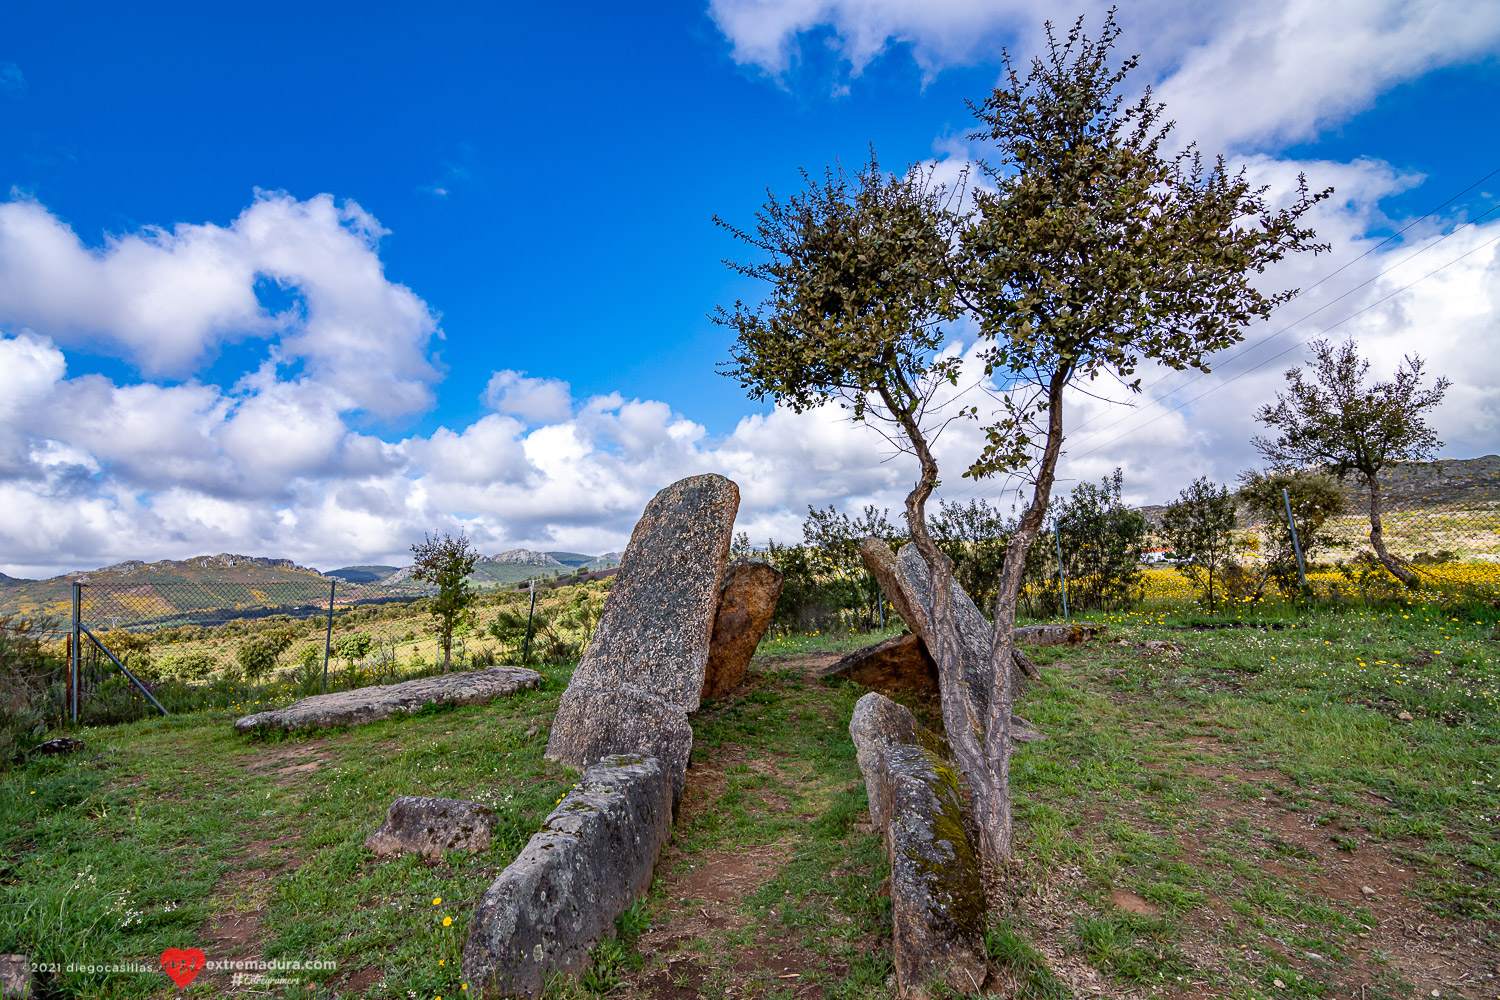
pixel 1377 538
pixel 980 739
pixel 992 807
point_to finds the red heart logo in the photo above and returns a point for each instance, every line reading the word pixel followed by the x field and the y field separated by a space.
pixel 183 964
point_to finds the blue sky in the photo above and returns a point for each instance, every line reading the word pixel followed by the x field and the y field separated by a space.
pixel 339 223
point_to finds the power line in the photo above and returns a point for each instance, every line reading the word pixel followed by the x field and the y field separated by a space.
pixel 1288 350
pixel 1269 337
pixel 976 487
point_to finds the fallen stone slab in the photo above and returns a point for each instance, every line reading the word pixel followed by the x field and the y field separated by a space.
pixel 900 663
pixel 591 859
pixel 383 701
pixel 1059 635
pixel 936 898
pixel 61 745
pixel 594 723
pixel 746 603
pixel 656 625
pixel 433 827
pixel 878 723
pixel 937 903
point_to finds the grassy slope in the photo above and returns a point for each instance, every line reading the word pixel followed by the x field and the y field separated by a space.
pixel 1244 791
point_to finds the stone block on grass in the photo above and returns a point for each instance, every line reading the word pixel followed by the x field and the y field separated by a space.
pixel 592 858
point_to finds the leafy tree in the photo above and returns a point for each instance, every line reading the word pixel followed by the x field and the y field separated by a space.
pixel 353 647
pixel 1335 421
pixel 193 666
pixel 1314 496
pixel 446 562
pixel 257 656
pixel 1093 251
pixel 1198 526
pixel 1102 540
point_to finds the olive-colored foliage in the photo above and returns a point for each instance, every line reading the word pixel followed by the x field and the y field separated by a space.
pixel 1199 525
pixel 257 657
pixel 856 270
pixel 1101 541
pixel 1094 246
pixel 1335 421
pixel 1314 498
pixel 353 647
pixel 446 562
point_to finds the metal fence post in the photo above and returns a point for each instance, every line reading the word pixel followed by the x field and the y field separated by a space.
pixel 328 635
pixel 1062 575
pixel 74 666
pixel 1296 543
pixel 526 649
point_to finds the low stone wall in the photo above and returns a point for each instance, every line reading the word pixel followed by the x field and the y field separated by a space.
pixel 591 859
pixel 382 701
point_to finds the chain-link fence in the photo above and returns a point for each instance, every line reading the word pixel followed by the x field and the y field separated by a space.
pixel 1449 544
pixel 151 642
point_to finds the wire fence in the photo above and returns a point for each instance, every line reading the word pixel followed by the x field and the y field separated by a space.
pixel 252 635
pixel 1111 558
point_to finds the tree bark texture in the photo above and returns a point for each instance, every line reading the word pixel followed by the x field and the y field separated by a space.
pixel 1377 538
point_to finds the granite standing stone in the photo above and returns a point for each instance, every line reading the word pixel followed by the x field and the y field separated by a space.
pixel 433 827
pixel 644 668
pixel 746 604
pixel 591 859
pixel 658 619
pixel 382 701
pixel 593 723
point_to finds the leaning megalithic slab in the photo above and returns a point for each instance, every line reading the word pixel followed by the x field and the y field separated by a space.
pixel 652 641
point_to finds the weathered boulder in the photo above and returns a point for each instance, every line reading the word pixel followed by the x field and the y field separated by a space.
pixel 657 621
pixel 593 723
pixel 937 903
pixel 591 859
pixel 15 977
pixel 900 663
pixel 746 603
pixel 58 745
pixel 878 723
pixel 433 827
pixel 1075 634
pixel 382 701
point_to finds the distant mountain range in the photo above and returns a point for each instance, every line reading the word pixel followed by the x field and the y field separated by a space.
pixel 188 588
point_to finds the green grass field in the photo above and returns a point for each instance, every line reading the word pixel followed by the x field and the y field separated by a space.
pixel 1204 821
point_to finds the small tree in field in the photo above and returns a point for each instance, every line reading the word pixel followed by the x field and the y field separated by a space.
pixel 1314 497
pixel 1091 251
pixel 446 562
pixel 1198 525
pixel 1335 421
